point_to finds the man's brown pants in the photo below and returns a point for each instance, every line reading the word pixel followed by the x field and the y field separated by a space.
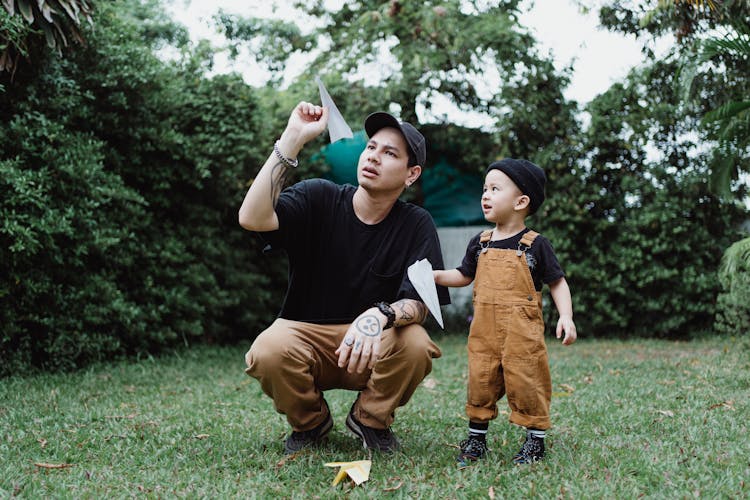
pixel 295 362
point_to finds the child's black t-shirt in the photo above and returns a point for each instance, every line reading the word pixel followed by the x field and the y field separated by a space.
pixel 541 258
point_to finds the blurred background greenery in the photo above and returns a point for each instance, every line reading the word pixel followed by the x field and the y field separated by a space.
pixel 123 160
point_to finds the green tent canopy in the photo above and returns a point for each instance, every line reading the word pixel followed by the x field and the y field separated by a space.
pixel 452 197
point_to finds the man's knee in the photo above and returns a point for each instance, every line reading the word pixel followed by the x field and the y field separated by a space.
pixel 266 351
pixel 417 344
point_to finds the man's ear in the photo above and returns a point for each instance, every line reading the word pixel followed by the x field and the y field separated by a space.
pixel 414 172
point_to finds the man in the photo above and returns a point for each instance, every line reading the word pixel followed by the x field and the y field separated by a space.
pixel 351 319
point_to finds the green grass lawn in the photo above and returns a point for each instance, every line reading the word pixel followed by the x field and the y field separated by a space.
pixel 652 419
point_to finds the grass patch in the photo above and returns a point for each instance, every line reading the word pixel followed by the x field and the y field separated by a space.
pixel 630 419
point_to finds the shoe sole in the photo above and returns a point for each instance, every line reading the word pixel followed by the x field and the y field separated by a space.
pixel 354 429
pixel 526 461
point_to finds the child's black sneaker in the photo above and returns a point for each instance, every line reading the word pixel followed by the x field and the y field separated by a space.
pixel 314 437
pixel 374 439
pixel 531 451
pixel 472 449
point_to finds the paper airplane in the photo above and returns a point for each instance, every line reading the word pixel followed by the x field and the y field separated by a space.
pixel 337 127
pixel 359 471
pixel 420 275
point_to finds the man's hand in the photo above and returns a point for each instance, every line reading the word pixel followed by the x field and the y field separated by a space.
pixel 306 122
pixel 360 348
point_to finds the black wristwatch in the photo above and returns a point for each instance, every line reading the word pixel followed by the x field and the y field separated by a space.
pixel 388 312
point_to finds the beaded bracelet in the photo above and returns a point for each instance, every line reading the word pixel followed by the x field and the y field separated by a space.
pixel 291 162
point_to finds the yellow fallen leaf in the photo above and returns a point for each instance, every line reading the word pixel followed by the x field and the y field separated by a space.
pixel 729 405
pixel 395 487
pixel 44 465
pixel 568 388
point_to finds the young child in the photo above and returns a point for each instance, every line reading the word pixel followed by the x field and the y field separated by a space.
pixel 507 353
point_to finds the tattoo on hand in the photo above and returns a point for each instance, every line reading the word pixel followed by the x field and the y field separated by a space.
pixel 368 325
pixel 412 311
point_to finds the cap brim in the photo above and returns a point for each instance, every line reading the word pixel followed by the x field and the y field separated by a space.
pixel 379 120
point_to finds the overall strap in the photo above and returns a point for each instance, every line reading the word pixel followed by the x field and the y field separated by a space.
pixel 528 238
pixel 526 241
pixel 485 236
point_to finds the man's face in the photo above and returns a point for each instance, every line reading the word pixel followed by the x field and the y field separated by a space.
pixel 383 163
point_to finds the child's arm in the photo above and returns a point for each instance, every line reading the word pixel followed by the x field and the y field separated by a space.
pixel 561 295
pixel 451 277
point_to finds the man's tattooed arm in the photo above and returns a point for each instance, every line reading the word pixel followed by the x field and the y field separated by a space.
pixel 279 175
pixel 409 311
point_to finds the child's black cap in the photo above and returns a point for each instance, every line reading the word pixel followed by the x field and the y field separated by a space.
pixel 529 178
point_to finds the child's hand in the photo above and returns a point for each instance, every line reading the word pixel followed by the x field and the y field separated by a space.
pixel 565 323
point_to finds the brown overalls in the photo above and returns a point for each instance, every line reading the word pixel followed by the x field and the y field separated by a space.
pixel 507 353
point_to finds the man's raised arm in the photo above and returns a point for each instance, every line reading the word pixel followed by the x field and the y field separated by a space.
pixel 257 212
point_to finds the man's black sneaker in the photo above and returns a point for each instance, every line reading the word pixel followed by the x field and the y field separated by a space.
pixel 300 440
pixel 472 449
pixel 375 439
pixel 531 451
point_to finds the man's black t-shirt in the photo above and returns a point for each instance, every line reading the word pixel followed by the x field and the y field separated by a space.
pixel 340 266
pixel 540 257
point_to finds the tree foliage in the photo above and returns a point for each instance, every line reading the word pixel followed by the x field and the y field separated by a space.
pixel 608 199
pixel 733 303
pixel 121 175
pixel 23 20
pixel 414 51
pixel 713 54
pixel 646 230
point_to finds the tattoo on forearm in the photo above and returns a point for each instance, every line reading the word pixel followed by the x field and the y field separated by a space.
pixel 279 175
pixel 412 311
pixel 368 325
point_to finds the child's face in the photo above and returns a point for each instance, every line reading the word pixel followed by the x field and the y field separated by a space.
pixel 500 196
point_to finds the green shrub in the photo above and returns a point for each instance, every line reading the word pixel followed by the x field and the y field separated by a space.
pixel 121 176
pixel 733 303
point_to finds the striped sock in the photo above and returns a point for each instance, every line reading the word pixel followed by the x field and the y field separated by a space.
pixel 478 430
pixel 539 434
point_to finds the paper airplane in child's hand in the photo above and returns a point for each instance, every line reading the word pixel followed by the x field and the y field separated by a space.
pixel 359 471
pixel 420 275
pixel 337 127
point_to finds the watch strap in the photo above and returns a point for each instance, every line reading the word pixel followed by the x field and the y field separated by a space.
pixel 388 312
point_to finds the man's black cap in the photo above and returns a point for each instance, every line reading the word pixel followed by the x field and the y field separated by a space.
pixel 529 178
pixel 414 139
